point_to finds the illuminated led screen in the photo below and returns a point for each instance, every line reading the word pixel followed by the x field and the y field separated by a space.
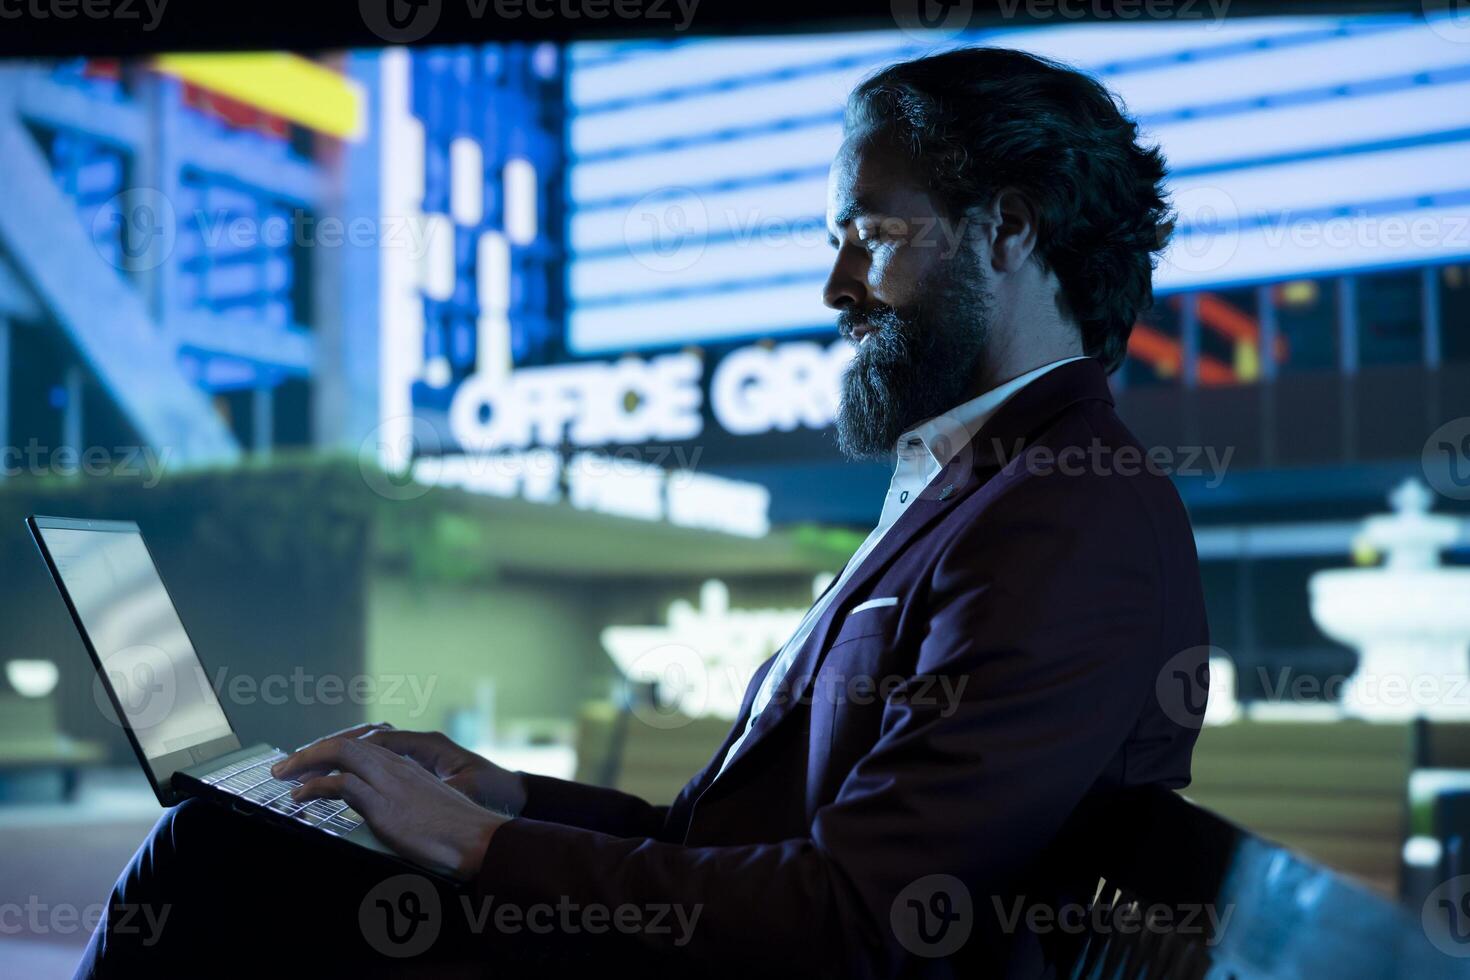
pixel 1298 147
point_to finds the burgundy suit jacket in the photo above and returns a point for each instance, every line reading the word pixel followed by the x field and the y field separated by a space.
pixel 1048 599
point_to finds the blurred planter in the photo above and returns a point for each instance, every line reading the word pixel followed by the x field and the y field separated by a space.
pixel 317 602
pixel 266 566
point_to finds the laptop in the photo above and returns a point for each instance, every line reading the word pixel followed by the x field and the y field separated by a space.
pixel 158 687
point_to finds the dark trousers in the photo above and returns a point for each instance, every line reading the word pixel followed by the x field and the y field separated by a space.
pixel 211 891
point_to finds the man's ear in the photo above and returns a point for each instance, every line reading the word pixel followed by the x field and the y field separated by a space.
pixel 1014 235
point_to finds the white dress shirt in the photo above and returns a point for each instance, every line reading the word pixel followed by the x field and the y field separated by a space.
pixel 923 453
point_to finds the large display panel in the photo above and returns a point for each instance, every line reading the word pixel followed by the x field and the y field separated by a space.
pixel 1298 147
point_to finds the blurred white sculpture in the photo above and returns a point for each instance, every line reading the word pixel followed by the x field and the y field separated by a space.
pixel 1409 618
pixel 1221 707
pixel 32 678
pixel 703 658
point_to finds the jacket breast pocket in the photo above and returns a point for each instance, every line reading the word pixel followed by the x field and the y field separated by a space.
pixel 862 645
pixel 848 695
pixel 876 617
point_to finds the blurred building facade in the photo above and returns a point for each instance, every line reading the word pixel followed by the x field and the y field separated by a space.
pixel 221 259
pixel 162 287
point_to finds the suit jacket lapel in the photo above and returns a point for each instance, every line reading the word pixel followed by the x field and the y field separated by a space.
pixel 796 685
pixel 996 445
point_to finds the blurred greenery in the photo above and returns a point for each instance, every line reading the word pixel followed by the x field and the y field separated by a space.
pixel 254 511
pixel 310 511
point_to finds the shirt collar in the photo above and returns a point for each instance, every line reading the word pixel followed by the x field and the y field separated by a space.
pixel 945 435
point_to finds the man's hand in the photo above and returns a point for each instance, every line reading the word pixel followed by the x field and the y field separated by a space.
pixel 480 779
pixel 412 810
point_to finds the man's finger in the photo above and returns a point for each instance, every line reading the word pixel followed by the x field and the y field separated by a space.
pixel 346 786
pixel 422 747
pixel 346 754
pixel 353 731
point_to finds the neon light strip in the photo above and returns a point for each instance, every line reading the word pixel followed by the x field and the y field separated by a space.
pixel 284 85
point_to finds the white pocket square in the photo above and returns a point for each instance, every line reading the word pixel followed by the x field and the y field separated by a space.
pixel 875 604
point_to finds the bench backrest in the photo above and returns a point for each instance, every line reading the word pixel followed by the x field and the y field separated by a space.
pixel 1183 893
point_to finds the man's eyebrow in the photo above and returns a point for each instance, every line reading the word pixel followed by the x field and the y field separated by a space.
pixel 856 208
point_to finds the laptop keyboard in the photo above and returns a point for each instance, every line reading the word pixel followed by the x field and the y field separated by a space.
pixel 251 779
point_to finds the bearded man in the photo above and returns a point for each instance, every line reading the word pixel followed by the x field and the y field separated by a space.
pixel 997 653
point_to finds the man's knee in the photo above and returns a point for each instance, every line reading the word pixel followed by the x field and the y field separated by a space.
pixel 190 836
pixel 190 824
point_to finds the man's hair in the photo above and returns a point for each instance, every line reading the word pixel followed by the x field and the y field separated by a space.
pixel 976 120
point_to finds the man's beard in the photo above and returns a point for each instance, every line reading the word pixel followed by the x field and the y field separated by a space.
pixel 918 363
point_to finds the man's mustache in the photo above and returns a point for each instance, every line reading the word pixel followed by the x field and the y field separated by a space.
pixel 879 318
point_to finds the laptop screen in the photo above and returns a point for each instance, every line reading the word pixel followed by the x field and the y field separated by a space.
pixel 143 653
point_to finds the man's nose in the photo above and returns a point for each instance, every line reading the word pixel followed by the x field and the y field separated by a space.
pixel 843 290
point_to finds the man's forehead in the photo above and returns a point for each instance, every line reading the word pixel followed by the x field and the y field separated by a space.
pixel 869 177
